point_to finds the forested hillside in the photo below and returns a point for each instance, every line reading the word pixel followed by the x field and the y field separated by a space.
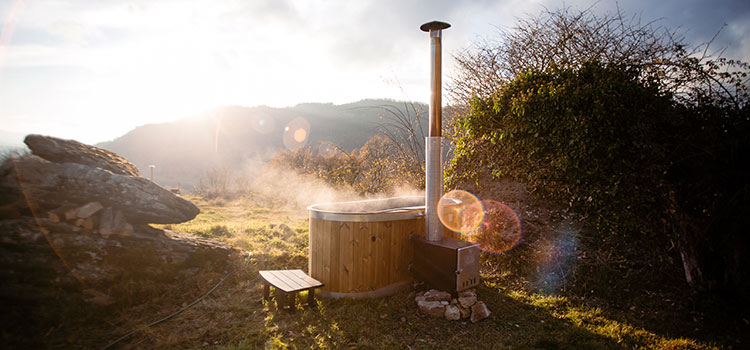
pixel 243 139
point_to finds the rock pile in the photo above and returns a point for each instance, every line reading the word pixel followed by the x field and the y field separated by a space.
pixel 74 221
pixel 35 185
pixel 441 304
pixel 69 151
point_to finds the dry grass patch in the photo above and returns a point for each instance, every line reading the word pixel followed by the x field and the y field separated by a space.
pixel 233 316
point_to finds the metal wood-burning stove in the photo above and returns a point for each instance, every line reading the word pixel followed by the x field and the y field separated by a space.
pixel 449 264
pixel 444 263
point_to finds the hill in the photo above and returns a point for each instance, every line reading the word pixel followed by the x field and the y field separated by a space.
pixel 244 138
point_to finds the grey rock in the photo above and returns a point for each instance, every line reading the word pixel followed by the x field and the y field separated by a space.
pixel 479 312
pixel 106 223
pixel 432 308
pixel 465 312
pixel 436 295
pixel 467 302
pixel 452 313
pixel 91 261
pixel 468 293
pixel 46 185
pixel 59 150
pixel 88 209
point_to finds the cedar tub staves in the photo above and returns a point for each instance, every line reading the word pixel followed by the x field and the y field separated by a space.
pixel 361 249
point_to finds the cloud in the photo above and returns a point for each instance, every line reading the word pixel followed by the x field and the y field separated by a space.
pixel 697 20
pixel 149 61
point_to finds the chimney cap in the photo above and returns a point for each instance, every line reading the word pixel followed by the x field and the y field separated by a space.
pixel 434 25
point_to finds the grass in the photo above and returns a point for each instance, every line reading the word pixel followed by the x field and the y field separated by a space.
pixel 524 316
pixel 275 235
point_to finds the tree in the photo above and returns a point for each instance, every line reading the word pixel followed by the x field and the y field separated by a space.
pixel 566 38
pixel 405 129
pixel 379 168
pixel 603 112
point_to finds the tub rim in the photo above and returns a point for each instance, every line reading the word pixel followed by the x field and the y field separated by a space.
pixel 386 214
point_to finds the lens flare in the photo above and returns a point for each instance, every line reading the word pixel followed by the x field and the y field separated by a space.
pixel 460 211
pixel 262 123
pixel 296 134
pixel 300 135
pixel 556 258
pixel 500 230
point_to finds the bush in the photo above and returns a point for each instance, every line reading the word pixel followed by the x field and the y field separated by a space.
pixel 374 168
pixel 647 143
pixel 589 137
pixel 644 168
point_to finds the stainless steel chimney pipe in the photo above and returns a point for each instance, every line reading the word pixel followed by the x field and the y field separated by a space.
pixel 433 143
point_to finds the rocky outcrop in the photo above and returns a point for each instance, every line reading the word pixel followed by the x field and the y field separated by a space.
pixel 43 185
pixel 69 151
pixel 40 256
pixel 75 224
pixel 75 240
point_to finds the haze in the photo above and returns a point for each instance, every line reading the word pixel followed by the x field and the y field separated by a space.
pixel 92 70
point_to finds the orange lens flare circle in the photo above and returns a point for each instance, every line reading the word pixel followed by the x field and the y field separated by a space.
pixel 500 230
pixel 296 134
pixel 300 135
pixel 460 211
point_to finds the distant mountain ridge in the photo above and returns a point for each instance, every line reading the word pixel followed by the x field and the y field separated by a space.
pixel 244 138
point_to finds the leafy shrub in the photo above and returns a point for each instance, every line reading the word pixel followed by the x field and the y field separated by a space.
pixel 589 137
pixel 374 168
pixel 643 167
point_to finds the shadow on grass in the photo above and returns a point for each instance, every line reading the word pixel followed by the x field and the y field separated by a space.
pixel 395 323
pixel 234 317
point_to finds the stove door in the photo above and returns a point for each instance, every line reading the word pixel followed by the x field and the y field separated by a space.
pixel 467 267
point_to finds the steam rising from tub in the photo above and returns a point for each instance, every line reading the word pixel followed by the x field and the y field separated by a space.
pixel 298 191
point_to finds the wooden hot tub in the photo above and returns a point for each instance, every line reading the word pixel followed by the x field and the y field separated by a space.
pixel 362 248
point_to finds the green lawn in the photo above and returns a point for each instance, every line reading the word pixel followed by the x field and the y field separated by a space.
pixel 233 316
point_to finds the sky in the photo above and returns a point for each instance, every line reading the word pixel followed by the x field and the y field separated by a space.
pixel 94 70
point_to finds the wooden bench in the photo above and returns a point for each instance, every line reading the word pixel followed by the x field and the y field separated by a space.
pixel 287 283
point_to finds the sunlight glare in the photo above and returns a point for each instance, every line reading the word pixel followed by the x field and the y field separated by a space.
pixel 300 135
pixel 500 230
pixel 460 211
pixel 264 124
pixel 296 134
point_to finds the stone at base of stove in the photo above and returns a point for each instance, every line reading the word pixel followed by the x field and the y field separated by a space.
pixel 437 303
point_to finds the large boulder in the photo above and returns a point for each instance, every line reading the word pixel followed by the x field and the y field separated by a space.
pixel 45 186
pixel 50 267
pixel 70 151
pixel 77 258
pixel 74 236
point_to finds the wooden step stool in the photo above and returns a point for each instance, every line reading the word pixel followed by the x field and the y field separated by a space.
pixel 287 283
